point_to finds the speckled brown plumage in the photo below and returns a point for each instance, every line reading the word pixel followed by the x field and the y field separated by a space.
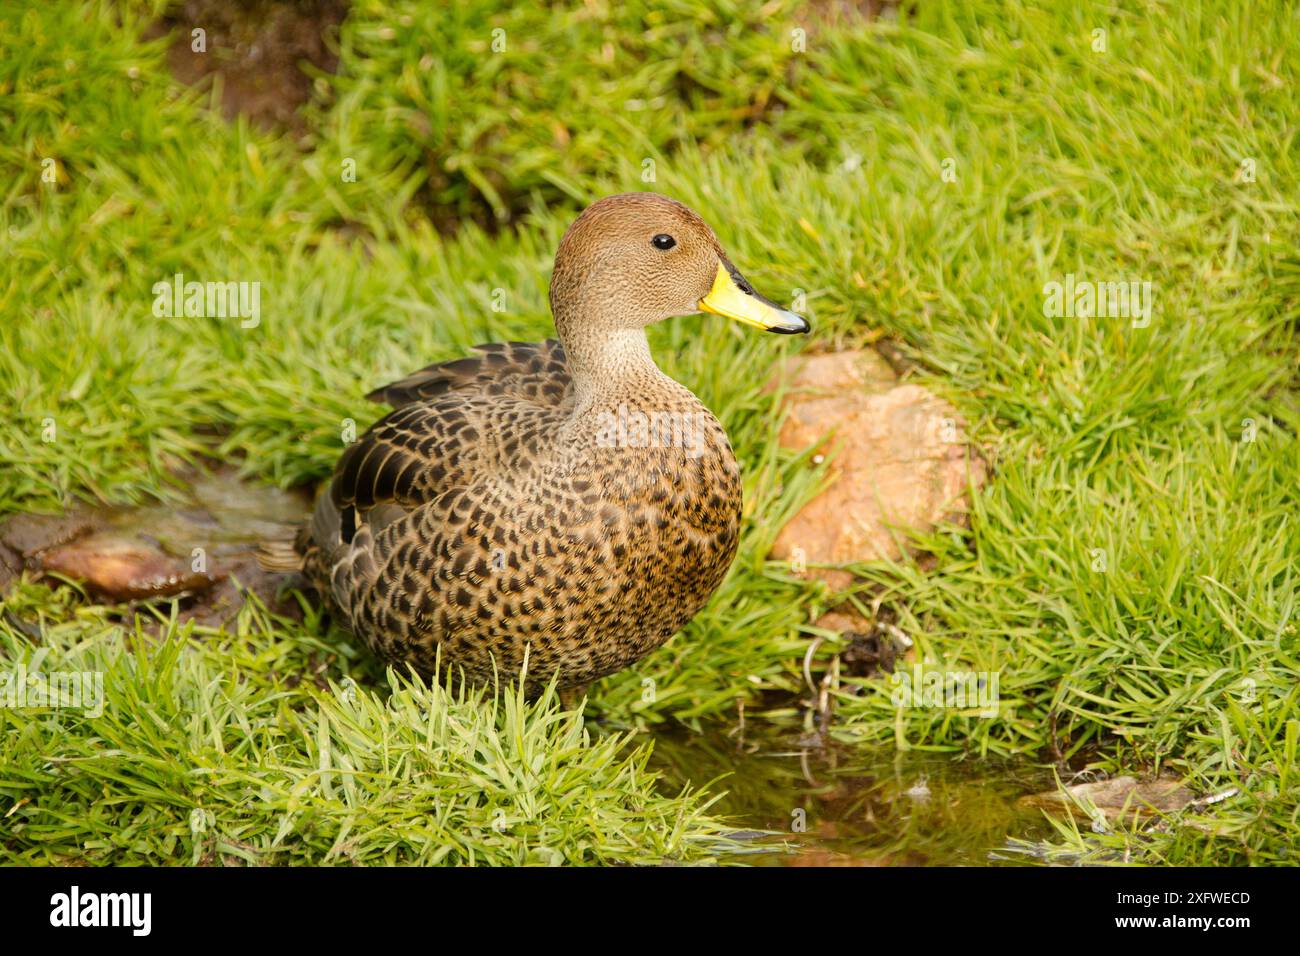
pixel 499 508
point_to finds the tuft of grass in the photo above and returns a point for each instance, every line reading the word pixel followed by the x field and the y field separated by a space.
pixel 261 747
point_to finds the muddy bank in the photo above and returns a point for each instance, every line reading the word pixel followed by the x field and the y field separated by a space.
pixel 260 53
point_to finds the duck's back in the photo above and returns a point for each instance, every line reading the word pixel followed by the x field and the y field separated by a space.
pixel 486 515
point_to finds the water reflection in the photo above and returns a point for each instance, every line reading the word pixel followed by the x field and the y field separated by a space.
pixel 834 806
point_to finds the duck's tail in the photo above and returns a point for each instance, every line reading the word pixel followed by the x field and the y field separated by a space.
pixel 280 555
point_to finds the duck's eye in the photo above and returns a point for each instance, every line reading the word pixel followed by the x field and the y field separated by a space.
pixel 663 241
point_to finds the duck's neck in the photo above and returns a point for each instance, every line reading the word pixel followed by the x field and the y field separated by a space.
pixel 608 364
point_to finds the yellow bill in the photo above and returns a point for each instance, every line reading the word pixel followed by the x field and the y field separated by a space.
pixel 735 298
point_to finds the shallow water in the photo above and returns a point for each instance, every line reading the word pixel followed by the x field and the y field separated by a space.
pixel 194 549
pixel 836 806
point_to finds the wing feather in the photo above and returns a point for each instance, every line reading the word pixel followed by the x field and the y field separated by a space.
pixel 446 429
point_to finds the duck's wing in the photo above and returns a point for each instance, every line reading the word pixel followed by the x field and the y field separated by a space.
pixel 534 371
pixel 452 421
pixel 454 424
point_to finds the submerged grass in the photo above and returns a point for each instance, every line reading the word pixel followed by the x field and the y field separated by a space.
pixel 1128 571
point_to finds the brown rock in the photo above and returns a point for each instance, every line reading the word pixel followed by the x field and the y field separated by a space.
pixel 900 461
pixel 863 370
pixel 151 552
pixel 123 569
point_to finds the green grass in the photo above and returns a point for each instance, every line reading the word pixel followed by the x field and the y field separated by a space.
pixel 820 171
pixel 260 747
pixel 487 128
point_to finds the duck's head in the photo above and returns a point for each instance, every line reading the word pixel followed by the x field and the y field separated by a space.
pixel 638 258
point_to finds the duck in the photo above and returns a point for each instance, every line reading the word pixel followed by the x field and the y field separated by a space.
pixel 555 510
